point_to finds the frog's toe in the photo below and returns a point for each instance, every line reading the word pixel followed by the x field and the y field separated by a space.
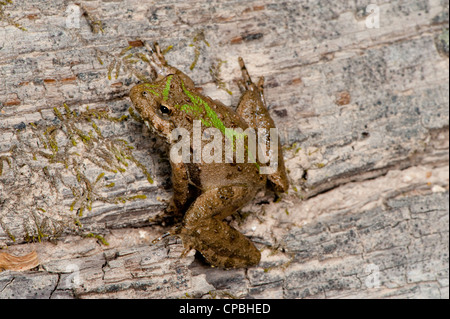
pixel 261 83
pixel 159 55
pixel 245 75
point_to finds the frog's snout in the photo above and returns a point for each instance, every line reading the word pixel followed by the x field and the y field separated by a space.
pixel 135 93
pixel 140 101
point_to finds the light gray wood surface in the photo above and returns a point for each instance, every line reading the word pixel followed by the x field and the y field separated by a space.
pixel 363 115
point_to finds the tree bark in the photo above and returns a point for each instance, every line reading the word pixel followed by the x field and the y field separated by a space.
pixel 360 98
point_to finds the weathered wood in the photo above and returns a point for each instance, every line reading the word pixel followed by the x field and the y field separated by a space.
pixel 363 114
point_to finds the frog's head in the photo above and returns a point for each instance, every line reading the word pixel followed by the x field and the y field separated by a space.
pixel 156 102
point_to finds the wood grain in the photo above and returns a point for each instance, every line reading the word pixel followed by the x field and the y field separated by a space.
pixel 363 114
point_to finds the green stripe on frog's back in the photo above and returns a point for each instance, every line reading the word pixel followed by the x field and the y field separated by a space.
pixel 167 88
pixel 152 92
pixel 150 88
pixel 190 109
pixel 211 117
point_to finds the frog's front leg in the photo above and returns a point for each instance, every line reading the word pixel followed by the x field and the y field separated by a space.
pixel 180 184
pixel 204 228
pixel 159 63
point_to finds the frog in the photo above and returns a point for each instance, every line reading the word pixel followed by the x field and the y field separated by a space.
pixel 205 194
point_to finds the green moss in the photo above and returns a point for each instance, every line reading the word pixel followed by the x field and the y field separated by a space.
pixel 136 117
pixel 100 176
pixel 97 130
pixel 127 60
pixel 73 204
pixel 77 223
pixel 442 42
pixel 7 231
pixel 215 71
pixel 69 113
pixel 118 65
pixel 55 144
pixel 40 231
pixel 293 148
pixel 123 200
pixel 199 37
pixel 99 59
pixel 110 69
pixel 6 17
pixel 100 238
pixel 125 50
pixel 4 159
pixel 137 197
pixel 95 24
pixel 444 36
pixel 142 168
pixel 58 114
pixel 166 50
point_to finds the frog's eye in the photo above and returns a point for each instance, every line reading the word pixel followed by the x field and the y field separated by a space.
pixel 164 109
pixel 144 93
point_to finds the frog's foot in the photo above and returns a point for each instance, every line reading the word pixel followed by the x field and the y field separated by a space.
pixel 246 84
pixel 158 54
pixel 220 244
pixel 158 239
pixel 157 60
pixel 173 232
pixel 246 79
pixel 160 66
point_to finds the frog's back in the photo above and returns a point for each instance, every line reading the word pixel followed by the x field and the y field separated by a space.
pixel 215 175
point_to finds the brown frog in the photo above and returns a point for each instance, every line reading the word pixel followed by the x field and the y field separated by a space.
pixel 209 192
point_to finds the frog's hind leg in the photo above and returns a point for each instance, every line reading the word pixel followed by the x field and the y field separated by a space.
pixel 204 228
pixel 246 83
pixel 252 95
pixel 223 246
pixel 253 109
